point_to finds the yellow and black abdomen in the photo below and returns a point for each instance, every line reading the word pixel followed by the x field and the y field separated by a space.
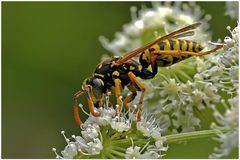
pixel 174 44
pixel 159 54
pixel 180 44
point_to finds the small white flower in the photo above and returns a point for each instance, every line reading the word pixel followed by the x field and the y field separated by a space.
pixel 89 133
pixel 105 118
pixel 187 122
pixel 170 88
pixel 70 151
pixel 146 152
pixel 149 128
pixel 150 155
pixel 120 124
pixel 94 147
pixel 133 152
pixel 82 144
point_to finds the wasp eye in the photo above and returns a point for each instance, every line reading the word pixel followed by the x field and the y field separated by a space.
pixel 97 86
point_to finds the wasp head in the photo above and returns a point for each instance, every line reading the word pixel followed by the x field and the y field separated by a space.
pixel 96 89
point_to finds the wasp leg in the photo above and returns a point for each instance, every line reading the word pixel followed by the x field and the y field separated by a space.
pixel 177 53
pixel 118 91
pixel 110 104
pixel 75 107
pixel 130 97
pixel 134 79
pixel 91 105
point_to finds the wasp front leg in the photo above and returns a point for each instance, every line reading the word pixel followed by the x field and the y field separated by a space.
pixel 141 87
pixel 75 107
pixel 91 105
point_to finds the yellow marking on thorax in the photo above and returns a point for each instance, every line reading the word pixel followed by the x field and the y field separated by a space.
pixel 147 54
pixel 167 45
pixel 131 68
pixel 116 73
pixel 150 68
pixel 144 57
pixel 140 67
pixel 100 75
pixel 100 66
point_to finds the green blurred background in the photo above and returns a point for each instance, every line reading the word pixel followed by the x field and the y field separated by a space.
pixel 48 48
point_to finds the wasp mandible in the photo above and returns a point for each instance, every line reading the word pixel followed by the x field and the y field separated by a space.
pixel 114 74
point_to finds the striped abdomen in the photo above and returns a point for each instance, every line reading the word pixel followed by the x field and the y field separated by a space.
pixel 179 44
pixel 172 44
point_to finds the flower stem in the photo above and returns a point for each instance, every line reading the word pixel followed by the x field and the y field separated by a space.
pixel 194 135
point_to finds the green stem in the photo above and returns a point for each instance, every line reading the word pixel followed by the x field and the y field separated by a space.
pixel 118 154
pixel 193 135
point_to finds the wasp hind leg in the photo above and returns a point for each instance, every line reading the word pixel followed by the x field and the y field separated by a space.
pixel 210 51
pixel 141 87
pixel 177 53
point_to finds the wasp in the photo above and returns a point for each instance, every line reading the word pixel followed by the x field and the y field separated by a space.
pixel 114 74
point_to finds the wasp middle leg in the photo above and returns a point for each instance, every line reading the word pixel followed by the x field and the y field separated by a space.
pixel 141 87
pixel 130 97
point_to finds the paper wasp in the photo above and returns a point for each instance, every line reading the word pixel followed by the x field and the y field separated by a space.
pixel 114 74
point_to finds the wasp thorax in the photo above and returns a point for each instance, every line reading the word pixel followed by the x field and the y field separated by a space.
pixel 144 59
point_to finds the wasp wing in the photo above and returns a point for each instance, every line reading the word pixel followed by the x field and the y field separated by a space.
pixel 179 32
pixel 185 34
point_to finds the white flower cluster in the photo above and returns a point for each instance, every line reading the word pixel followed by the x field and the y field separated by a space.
pixel 179 101
pixel 136 152
pixel 87 144
pixel 223 71
pixel 229 119
pixel 106 134
pixel 149 129
pixel 156 21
